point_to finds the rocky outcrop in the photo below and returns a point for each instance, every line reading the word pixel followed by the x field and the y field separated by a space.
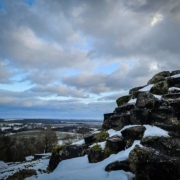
pixel 95 155
pixel 150 164
pixel 150 106
pixel 122 100
pixel 116 143
pixel 158 157
pixel 118 165
pixel 159 77
pixel 65 152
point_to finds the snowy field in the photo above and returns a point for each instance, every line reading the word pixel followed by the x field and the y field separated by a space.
pixel 79 168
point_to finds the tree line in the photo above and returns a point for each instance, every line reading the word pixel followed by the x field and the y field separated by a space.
pixel 16 149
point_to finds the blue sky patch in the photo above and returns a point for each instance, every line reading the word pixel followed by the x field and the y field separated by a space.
pixel 107 68
pixel 29 2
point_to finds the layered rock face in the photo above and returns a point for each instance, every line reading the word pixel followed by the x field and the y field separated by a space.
pixel 156 104
pixel 149 114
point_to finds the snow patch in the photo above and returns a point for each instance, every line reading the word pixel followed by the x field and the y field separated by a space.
pixel 29 158
pixel 3 165
pixel 154 131
pixel 174 88
pixel 157 96
pixel 81 142
pixel 176 76
pixel 80 169
pixel 102 144
pixel 132 101
pixel 147 88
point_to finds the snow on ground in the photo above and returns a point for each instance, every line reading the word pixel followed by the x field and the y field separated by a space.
pixel 173 88
pixel 147 88
pixel 154 131
pixel 5 128
pixel 113 132
pixel 14 167
pixel 150 131
pixel 157 96
pixel 132 101
pixel 102 144
pixel 3 165
pixel 176 76
pixel 81 142
pixel 29 158
pixel 80 169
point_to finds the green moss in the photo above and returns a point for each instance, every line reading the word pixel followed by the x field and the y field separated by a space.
pixel 163 73
pixel 160 88
pixel 96 147
pixel 122 100
pixel 108 151
pixel 102 136
pixel 22 174
pixel 56 149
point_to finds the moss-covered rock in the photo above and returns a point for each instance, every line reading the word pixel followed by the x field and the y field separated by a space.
pixel 96 147
pixel 160 88
pixel 156 79
pixel 138 155
pixel 66 152
pixel 133 133
pixel 131 91
pixel 118 165
pixel 116 143
pixel 22 174
pixel 122 100
pixel 175 72
pixel 102 136
pixel 56 149
pixel 159 77
pixel 96 154
pixel 108 151
pixel 145 100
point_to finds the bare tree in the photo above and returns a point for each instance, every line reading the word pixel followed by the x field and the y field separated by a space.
pixel 47 139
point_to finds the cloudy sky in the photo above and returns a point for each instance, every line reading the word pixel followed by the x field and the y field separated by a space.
pixel 74 58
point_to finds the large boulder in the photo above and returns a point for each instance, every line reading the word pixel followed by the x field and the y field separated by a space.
pixel 160 88
pixel 118 165
pixel 145 100
pixel 117 122
pixel 159 77
pixel 133 90
pixel 140 117
pixel 163 115
pixel 149 164
pixel 171 97
pixel 174 82
pixel 133 133
pixel 122 100
pixel 175 72
pixel 166 145
pixel 89 139
pixel 124 109
pixel 116 143
pixel 95 154
pixel 63 153
pixel 156 79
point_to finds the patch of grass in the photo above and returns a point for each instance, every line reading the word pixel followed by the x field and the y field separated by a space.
pixel 22 174
pixel 102 136
pixel 96 147
pixel 56 149
pixel 108 151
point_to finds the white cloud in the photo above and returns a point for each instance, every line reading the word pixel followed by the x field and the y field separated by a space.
pixel 157 18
